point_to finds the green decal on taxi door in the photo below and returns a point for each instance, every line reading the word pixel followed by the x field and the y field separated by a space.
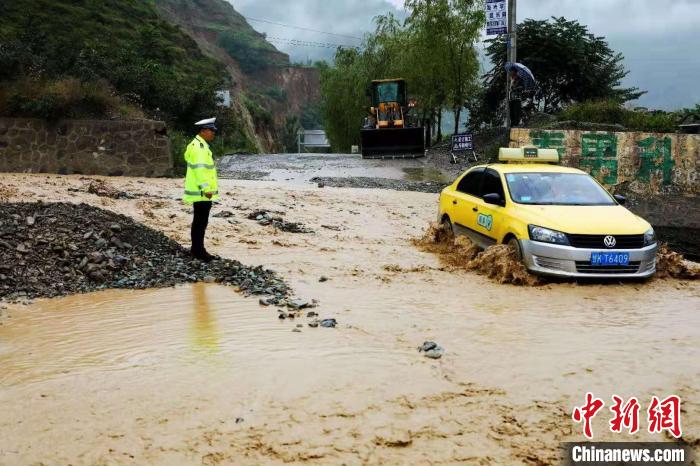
pixel 485 221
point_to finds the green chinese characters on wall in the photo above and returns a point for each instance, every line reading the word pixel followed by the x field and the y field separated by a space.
pixel 655 157
pixel 549 140
pixel 599 156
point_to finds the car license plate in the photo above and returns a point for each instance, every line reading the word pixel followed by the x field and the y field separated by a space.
pixel 610 258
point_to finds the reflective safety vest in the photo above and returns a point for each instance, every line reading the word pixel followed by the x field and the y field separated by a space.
pixel 201 172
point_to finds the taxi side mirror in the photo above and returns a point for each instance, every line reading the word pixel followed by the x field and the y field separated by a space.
pixel 494 198
pixel 620 199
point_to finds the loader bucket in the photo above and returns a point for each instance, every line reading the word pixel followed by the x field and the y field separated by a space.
pixel 393 143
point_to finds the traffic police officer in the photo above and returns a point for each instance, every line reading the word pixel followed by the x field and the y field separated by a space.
pixel 201 184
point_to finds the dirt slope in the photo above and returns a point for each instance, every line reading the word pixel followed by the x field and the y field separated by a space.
pixel 259 72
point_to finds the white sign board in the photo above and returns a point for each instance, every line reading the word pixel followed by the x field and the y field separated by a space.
pixel 462 142
pixel 224 98
pixel 496 17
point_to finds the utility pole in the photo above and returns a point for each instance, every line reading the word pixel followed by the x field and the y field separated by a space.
pixel 511 54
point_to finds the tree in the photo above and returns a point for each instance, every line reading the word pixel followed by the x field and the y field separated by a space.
pixel 445 32
pixel 290 134
pixel 433 50
pixel 343 100
pixel 570 65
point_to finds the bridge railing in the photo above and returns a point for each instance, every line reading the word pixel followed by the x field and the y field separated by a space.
pixel 312 138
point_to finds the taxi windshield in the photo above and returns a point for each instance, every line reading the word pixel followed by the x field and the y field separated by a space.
pixel 556 189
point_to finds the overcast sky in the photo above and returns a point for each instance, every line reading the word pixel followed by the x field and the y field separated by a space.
pixel 659 38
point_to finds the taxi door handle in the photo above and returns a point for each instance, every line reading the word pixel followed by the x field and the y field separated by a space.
pixel 454 202
pixel 475 209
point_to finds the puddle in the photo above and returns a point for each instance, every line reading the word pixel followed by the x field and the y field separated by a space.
pixel 182 332
pixel 425 174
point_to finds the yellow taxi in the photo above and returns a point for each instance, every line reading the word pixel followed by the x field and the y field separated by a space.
pixel 559 220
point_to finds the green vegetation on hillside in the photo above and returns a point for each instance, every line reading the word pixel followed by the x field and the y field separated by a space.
pixel 251 54
pixel 221 24
pixel 86 57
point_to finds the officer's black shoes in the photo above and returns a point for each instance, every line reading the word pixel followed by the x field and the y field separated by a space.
pixel 203 256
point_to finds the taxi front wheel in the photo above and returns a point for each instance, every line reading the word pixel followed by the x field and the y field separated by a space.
pixel 514 244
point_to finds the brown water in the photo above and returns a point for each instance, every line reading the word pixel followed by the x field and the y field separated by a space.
pixel 300 168
pixel 199 374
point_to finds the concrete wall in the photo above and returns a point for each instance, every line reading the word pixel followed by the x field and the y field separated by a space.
pixel 89 147
pixel 635 163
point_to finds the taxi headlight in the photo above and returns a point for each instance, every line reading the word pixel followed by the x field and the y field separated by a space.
pixel 649 237
pixel 546 235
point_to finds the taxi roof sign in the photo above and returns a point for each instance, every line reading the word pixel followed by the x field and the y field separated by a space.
pixel 529 154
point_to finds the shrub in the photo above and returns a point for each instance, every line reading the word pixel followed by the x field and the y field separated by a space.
pixel 62 98
pixel 261 116
pixel 276 93
pixel 611 112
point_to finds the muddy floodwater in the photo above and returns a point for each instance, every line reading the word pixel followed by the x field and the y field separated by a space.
pixel 199 374
pixel 300 168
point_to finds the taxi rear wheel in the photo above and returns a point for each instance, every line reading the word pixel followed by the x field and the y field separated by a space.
pixel 447 228
pixel 514 245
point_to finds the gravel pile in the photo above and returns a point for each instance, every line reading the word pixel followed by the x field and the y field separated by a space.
pixel 56 249
pixel 380 183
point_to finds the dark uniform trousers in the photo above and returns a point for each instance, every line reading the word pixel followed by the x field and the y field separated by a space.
pixel 199 225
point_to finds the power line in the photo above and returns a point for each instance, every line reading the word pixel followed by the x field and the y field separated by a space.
pixel 306 43
pixel 301 28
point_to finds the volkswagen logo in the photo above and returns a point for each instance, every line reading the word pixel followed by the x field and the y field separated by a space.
pixel 610 241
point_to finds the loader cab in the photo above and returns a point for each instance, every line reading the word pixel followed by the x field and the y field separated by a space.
pixel 389 91
pixel 389 101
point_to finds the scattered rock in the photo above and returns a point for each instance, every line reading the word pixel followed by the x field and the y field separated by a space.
pixel 312 314
pixel 209 279
pixel 427 346
pixel 265 218
pixel 223 214
pixel 435 353
pixel 323 279
pixel 298 303
pixel 102 189
pixel 431 350
pixel 313 323
pixel 296 329
pixel 328 323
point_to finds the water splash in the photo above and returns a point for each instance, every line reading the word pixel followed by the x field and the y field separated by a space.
pixel 670 264
pixel 498 262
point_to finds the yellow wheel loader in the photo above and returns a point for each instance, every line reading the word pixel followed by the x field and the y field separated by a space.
pixel 391 131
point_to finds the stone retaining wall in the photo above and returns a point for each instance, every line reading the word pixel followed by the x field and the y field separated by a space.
pixel 639 163
pixel 88 147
